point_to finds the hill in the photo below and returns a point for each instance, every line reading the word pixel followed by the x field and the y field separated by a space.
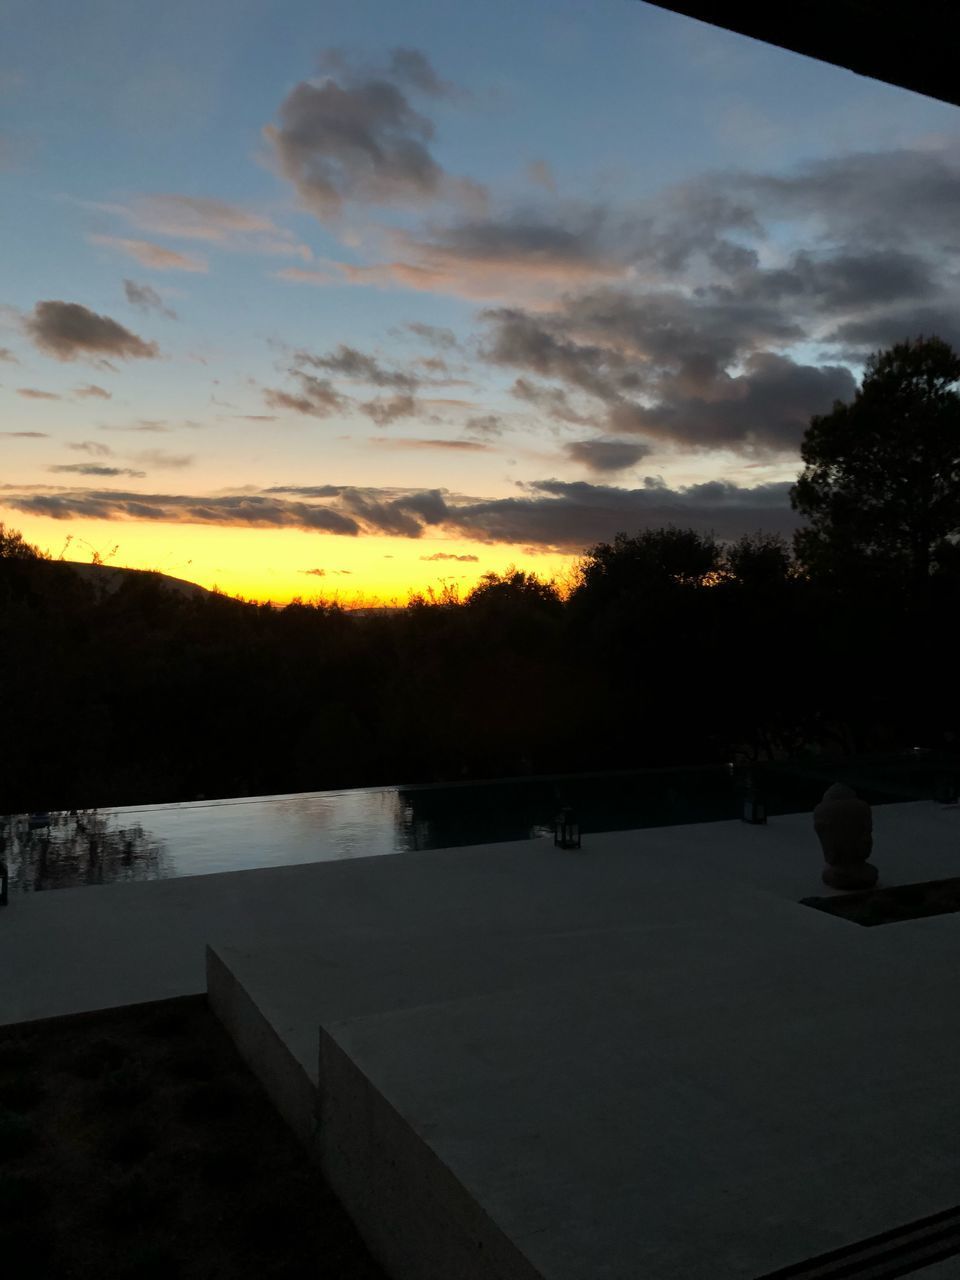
pixel 109 577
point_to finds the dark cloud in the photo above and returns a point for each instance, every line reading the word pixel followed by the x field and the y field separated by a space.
pixel 660 365
pixel 358 138
pixel 439 337
pixel 485 424
pixel 445 555
pixel 7 356
pixel 317 396
pixel 767 408
pixel 351 363
pixel 606 455
pixel 145 298
pixel 837 282
pixel 92 392
pixel 384 411
pixel 411 67
pixel 552 401
pixel 27 435
pixel 31 393
pixel 548 514
pixel 68 330
pixel 245 510
pixel 93 469
pixel 403 517
pixel 856 339
pixel 872 198
pixel 571 517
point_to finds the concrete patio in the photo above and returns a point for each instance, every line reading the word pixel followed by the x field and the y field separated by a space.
pixel 644 1059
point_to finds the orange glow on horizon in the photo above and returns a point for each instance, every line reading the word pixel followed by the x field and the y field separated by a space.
pixel 279 565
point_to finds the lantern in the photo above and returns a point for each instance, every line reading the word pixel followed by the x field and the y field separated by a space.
pixel 754 806
pixel 566 830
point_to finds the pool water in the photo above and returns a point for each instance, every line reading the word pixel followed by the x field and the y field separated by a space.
pixel 63 849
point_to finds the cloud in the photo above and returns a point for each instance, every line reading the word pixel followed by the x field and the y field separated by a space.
pixel 209 221
pixel 92 392
pixel 240 511
pixel 606 455
pixel 858 338
pixel 94 469
pixel 68 331
pixel 436 335
pixel 412 67
pixel 160 460
pixel 26 435
pixel 446 555
pixel 7 356
pixel 31 393
pixel 400 442
pixel 323 573
pixel 151 426
pixel 545 515
pixel 531 255
pixel 687 370
pixel 552 401
pixel 570 517
pixel 93 447
pixel 145 298
pixel 317 397
pixel 152 255
pixel 357 365
pixel 485 424
pixel 357 138
pixel 383 412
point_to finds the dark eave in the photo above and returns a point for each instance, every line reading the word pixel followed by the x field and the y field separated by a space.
pixel 914 46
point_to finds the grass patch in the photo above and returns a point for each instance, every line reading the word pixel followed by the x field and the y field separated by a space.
pixel 138 1144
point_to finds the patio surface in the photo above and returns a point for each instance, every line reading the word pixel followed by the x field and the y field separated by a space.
pixel 644 1059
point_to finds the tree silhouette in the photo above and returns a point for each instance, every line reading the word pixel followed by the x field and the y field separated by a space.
pixel 13 546
pixel 881 484
pixel 646 565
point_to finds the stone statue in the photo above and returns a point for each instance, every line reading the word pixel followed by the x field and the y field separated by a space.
pixel 844 825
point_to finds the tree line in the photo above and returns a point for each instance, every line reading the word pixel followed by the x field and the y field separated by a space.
pixel 670 648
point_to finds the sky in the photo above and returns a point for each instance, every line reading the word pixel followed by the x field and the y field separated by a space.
pixel 350 298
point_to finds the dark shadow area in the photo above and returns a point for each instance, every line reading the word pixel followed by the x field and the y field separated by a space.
pixel 889 906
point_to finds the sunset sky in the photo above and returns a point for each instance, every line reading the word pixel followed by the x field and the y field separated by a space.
pixel 354 297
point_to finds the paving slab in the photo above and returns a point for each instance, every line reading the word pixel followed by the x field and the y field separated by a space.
pixel 610 1131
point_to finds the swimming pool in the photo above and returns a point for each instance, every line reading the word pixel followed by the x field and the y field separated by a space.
pixel 89 847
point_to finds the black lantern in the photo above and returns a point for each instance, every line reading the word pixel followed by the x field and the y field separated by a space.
pixel 566 830
pixel 946 788
pixel 754 806
pixel 4 884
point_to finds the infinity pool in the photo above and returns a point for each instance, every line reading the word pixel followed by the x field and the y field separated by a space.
pixel 63 849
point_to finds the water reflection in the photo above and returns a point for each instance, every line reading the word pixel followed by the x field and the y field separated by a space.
pixel 57 850
pixel 82 847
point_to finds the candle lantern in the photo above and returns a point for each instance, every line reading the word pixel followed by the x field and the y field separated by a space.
pixel 566 830
pixel 754 806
